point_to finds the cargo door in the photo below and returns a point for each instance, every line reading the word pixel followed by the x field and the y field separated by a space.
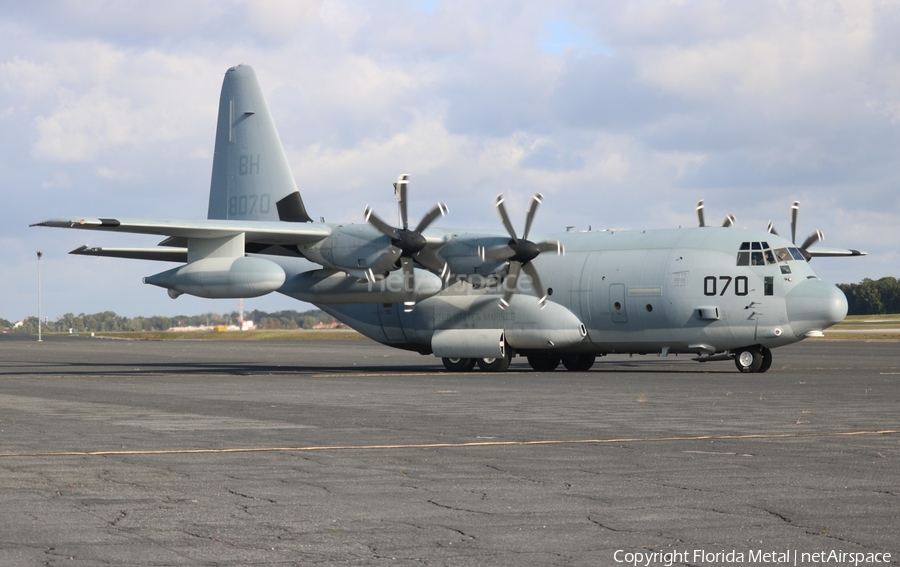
pixel 389 315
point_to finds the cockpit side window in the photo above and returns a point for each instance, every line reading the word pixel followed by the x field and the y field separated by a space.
pixel 783 255
pixel 796 254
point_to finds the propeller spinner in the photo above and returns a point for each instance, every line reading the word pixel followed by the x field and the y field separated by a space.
pixel 815 236
pixel 519 252
pixel 407 245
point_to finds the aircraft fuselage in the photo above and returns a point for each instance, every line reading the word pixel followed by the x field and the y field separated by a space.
pixel 653 291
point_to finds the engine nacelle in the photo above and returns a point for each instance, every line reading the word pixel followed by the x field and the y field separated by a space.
pixel 221 278
pixel 336 287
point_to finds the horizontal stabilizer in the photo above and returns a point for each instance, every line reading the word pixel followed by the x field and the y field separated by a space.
pixel 158 254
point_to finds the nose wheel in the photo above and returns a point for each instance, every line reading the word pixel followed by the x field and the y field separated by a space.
pixel 753 359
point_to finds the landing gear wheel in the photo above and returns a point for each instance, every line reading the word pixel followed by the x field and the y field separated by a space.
pixel 494 364
pixel 578 362
pixel 766 359
pixel 748 359
pixel 458 364
pixel 544 362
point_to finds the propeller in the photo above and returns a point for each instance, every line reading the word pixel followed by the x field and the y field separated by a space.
pixel 407 245
pixel 815 236
pixel 519 252
pixel 728 221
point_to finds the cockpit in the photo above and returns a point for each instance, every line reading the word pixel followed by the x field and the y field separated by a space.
pixel 760 254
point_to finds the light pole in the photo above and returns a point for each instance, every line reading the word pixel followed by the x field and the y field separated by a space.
pixel 39 254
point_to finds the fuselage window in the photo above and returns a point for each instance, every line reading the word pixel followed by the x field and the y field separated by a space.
pixel 769 285
pixel 785 269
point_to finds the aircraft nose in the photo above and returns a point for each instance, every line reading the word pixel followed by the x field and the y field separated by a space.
pixel 814 306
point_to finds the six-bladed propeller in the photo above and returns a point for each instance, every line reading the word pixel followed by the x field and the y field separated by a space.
pixel 519 252
pixel 407 245
pixel 815 236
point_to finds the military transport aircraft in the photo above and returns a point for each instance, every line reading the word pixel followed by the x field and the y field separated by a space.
pixel 483 297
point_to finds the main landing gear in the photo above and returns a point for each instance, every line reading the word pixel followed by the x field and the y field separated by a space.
pixel 753 359
pixel 542 362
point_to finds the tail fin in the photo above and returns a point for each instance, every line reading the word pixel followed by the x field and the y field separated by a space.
pixel 251 179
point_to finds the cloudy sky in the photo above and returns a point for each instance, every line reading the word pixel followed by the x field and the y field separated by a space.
pixel 623 114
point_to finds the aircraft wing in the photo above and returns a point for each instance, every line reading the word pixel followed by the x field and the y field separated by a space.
pixel 258 232
pixel 820 252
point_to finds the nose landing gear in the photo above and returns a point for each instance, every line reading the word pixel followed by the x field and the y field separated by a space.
pixel 753 359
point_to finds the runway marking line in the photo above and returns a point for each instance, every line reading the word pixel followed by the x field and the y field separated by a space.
pixel 452 445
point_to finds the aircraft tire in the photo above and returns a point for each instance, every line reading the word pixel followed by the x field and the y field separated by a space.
pixel 458 364
pixel 544 362
pixel 748 359
pixel 766 359
pixel 578 362
pixel 494 364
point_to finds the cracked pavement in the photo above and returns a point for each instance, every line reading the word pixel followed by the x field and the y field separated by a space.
pixel 324 453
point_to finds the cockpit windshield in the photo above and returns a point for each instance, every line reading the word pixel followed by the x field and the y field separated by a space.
pixel 760 254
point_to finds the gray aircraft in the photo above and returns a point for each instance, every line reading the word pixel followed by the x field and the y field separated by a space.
pixel 470 298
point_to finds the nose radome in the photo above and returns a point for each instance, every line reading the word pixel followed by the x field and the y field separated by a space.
pixel 814 306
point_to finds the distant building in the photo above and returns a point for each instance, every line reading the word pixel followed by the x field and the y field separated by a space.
pixel 332 325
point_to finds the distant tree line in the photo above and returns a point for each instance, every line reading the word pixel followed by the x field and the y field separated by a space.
pixel 873 297
pixel 109 322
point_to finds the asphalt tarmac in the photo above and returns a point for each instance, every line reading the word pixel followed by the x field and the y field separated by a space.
pixel 347 452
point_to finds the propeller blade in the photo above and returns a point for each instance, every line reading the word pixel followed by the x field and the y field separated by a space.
pixel 536 200
pixel 434 262
pixel 812 239
pixel 384 227
pixel 494 254
pixel 501 210
pixel 795 210
pixel 436 211
pixel 729 220
pixel 409 284
pixel 509 284
pixel 536 281
pixel 700 221
pixel 552 246
pixel 770 228
pixel 387 262
pixel 400 188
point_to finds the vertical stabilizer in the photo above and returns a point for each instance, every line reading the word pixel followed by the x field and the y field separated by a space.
pixel 251 179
